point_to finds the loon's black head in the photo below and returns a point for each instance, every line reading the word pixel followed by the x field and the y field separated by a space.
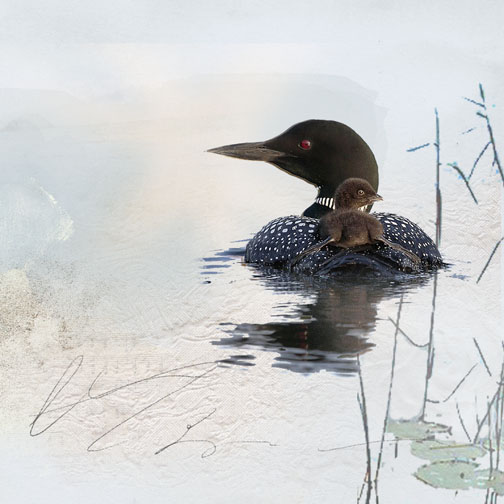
pixel 355 193
pixel 324 153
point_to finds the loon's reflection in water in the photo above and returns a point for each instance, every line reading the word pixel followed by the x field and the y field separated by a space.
pixel 326 332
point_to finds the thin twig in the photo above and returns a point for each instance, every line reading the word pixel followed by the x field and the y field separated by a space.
pixel 490 451
pixel 462 422
pixel 476 409
pixel 482 421
pixel 490 134
pixel 499 412
pixel 497 409
pixel 430 351
pixel 387 410
pixel 482 357
pixel 455 389
pixel 467 131
pixel 362 405
pixel 367 477
pixel 413 149
pixel 361 490
pixel 355 445
pixel 478 158
pixel 406 336
pixel 474 101
pixel 465 179
pixel 489 259
pixel 438 189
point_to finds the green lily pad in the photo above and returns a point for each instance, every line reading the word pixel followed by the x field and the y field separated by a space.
pixel 454 475
pixel 445 450
pixel 486 444
pixel 406 429
pixel 449 474
pixel 496 481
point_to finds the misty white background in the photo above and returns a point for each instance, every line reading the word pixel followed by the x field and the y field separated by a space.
pixel 108 201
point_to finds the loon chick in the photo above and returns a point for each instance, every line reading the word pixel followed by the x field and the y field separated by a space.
pixel 347 227
pixel 324 154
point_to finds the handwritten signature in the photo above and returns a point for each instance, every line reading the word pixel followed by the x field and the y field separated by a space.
pixel 55 414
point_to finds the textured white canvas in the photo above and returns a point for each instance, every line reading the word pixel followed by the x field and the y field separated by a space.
pixel 141 360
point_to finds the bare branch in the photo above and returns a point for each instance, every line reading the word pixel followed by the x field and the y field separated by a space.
pixel 489 259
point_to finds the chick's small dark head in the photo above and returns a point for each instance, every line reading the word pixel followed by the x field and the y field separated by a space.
pixel 355 193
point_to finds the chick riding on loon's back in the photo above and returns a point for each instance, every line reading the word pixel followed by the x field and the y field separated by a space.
pixel 325 154
pixel 347 227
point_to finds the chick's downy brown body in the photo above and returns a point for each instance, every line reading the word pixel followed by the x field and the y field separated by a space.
pixel 350 228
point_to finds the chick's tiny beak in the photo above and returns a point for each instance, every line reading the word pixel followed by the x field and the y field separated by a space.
pixel 376 197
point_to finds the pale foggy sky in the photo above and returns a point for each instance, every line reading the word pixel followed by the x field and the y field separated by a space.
pixel 90 48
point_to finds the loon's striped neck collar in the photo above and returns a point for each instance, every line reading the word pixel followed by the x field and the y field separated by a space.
pixel 326 201
pixel 320 207
pixel 323 205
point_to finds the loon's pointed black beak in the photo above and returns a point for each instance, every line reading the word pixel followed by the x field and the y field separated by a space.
pixel 257 151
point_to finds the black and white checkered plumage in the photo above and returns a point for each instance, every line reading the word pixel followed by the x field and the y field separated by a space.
pixel 284 238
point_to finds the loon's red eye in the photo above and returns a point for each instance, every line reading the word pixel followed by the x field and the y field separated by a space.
pixel 305 144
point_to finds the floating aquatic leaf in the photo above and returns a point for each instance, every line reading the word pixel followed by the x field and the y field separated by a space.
pixel 446 450
pixel 406 429
pixel 486 444
pixel 449 474
pixel 496 481
pixel 460 476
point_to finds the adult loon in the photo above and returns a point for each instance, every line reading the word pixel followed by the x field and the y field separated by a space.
pixel 325 154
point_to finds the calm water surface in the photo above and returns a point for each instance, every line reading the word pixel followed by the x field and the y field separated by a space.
pixel 128 257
